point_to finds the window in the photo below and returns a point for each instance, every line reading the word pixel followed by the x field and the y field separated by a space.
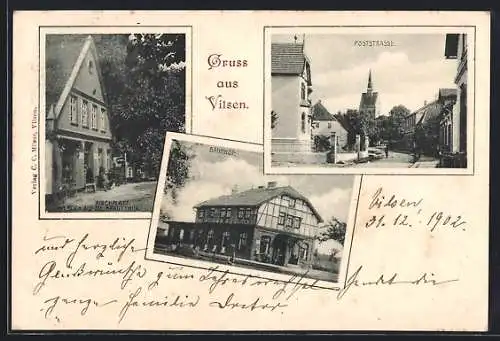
pixel 84 108
pixel 212 213
pixel 248 211
pixel 303 124
pixel 210 236
pixel 243 240
pixel 329 125
pixel 109 158
pixel 200 213
pixel 94 117
pixel 289 221
pixel 223 212
pixel 302 91
pixel 304 250
pixel 451 46
pixel 226 238
pixel 103 119
pixel 100 159
pixel 73 112
pixel 228 212
pixel 296 222
pixel 281 218
pixel 285 201
pixel 191 235
pixel 265 242
pixel 291 202
pixel 241 213
pixel 181 234
pixel 91 67
pixel 199 238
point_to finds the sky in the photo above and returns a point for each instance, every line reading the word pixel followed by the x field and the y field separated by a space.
pixel 408 73
pixel 214 174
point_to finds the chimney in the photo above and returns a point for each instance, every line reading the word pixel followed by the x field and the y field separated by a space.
pixel 234 190
pixel 272 184
pixel 425 103
pixel 262 187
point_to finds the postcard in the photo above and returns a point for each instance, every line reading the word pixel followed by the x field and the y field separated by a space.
pixel 222 209
pixel 108 101
pixel 265 171
pixel 369 100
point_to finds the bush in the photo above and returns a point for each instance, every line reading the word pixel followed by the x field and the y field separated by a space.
pixel 321 143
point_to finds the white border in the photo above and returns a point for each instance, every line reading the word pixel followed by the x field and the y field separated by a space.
pixel 234 270
pixel 415 29
pixel 42 112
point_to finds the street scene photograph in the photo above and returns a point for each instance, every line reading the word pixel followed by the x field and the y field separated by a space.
pixel 217 206
pixel 109 100
pixel 368 100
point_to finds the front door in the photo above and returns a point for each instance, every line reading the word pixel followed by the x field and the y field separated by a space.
pixel 280 250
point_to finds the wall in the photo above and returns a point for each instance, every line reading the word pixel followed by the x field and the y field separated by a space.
pixel 335 127
pixel 89 85
pixel 460 81
pixel 285 102
pixel 200 235
pixel 268 216
pixel 232 219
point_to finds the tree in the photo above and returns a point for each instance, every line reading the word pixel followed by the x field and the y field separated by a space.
pixel 395 125
pixel 427 136
pixel 274 119
pixel 335 229
pixel 362 125
pixel 321 143
pixel 178 168
pixel 145 78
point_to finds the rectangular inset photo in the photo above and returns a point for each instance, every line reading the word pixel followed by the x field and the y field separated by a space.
pixel 369 100
pixel 216 209
pixel 108 96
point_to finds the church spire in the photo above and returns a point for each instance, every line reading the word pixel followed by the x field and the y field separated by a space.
pixel 369 87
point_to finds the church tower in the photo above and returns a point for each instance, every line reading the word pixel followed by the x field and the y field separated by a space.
pixel 369 99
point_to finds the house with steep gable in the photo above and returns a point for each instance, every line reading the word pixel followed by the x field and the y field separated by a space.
pixel 325 124
pixel 77 124
pixel 291 89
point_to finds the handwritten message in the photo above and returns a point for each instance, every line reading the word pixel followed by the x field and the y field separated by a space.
pixel 68 259
pixel 389 210
pixel 219 101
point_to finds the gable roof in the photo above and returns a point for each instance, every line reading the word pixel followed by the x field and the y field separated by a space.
pixel 320 113
pixel 428 111
pixel 64 55
pixel 255 197
pixel 368 100
pixel 287 58
pixel 343 121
